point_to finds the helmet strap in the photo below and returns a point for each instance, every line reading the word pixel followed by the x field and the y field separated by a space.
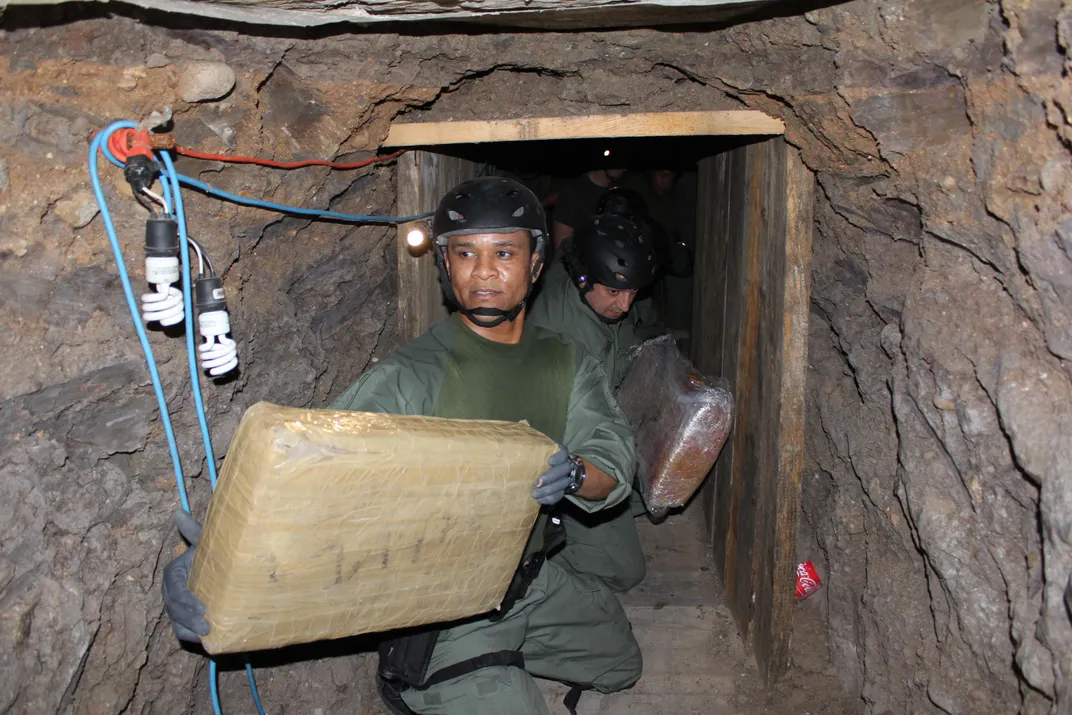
pixel 491 317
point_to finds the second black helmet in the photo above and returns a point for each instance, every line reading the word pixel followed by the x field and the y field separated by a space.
pixel 612 251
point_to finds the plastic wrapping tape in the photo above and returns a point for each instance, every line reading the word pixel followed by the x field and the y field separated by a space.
pixel 681 420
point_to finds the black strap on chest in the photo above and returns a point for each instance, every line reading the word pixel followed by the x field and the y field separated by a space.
pixel 404 661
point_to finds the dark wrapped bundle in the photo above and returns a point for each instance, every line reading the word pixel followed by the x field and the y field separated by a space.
pixel 681 421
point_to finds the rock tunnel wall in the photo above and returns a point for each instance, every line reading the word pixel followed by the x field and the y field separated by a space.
pixel 938 487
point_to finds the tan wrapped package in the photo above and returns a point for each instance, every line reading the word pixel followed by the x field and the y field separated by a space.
pixel 681 422
pixel 327 524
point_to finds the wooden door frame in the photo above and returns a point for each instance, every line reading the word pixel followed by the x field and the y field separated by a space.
pixel 753 240
pixel 422 178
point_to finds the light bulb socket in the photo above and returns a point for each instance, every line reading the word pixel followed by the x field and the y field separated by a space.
pixel 208 295
pixel 140 172
pixel 161 237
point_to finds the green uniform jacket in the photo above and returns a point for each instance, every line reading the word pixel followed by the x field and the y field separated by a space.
pixel 561 309
pixel 410 381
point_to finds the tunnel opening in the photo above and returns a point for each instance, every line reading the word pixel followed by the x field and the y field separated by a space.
pixel 745 203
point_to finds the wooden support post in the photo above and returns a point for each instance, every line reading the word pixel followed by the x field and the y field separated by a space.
pixel 776 542
pixel 750 325
pixel 423 178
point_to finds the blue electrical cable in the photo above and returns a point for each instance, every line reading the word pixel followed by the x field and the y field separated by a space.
pixel 214 687
pixel 172 176
pixel 283 208
pixel 279 208
pixel 128 292
pixel 187 298
pixel 100 143
pixel 173 200
pixel 195 376
pixel 253 689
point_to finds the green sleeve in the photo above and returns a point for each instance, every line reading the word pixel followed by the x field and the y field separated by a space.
pixel 648 325
pixel 407 382
pixel 549 309
pixel 378 390
pixel 597 431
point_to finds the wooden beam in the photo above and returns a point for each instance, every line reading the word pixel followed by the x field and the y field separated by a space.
pixel 594 126
pixel 748 443
pixel 753 264
pixel 423 178
pixel 777 541
pixel 716 319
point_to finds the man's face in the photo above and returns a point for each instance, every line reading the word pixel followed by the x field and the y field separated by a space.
pixel 490 270
pixel 611 303
pixel 662 180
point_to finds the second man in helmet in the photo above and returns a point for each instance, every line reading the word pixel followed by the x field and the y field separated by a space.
pixel 590 297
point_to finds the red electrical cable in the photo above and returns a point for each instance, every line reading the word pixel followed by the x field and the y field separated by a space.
pixel 123 143
pixel 183 151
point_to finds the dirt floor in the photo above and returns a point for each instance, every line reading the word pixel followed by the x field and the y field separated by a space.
pixel 694 660
pixel 695 663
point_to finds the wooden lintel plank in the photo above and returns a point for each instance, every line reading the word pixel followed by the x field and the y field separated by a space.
pixel 593 126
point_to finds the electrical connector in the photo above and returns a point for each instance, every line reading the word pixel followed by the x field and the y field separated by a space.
pixel 162 271
pixel 140 172
pixel 219 353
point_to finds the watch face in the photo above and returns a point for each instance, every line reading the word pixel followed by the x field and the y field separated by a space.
pixel 576 475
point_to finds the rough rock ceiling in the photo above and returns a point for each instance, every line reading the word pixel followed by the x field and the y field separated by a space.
pixel 534 14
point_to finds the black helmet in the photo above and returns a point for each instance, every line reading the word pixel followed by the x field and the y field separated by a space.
pixel 488 204
pixel 654 230
pixel 612 251
pixel 619 201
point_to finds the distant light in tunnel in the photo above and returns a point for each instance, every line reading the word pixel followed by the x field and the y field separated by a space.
pixel 606 152
pixel 416 238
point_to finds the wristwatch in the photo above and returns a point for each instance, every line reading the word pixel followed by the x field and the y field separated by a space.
pixel 576 475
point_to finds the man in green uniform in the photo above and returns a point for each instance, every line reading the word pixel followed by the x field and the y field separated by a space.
pixel 486 363
pixel 589 295
pixel 589 298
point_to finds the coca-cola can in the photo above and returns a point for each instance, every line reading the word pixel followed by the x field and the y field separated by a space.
pixel 808 581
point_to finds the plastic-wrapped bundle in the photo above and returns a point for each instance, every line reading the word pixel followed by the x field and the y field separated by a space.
pixel 328 524
pixel 681 422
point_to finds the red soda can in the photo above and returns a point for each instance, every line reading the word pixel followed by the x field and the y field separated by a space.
pixel 808 581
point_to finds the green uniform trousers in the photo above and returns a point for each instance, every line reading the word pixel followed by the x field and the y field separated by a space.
pixel 605 544
pixel 569 628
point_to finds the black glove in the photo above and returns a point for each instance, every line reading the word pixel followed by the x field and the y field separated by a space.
pixel 552 484
pixel 186 610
